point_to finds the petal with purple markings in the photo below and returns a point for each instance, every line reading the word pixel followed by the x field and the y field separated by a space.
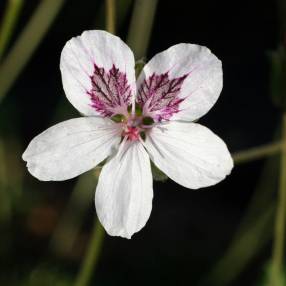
pixel 180 83
pixel 98 73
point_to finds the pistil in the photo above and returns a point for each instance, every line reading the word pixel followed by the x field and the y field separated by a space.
pixel 134 125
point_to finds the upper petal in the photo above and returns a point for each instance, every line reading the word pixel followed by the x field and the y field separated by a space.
pixel 98 73
pixel 71 147
pixel 189 154
pixel 180 83
pixel 124 192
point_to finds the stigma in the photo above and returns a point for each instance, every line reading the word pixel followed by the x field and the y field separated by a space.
pixel 134 126
pixel 132 133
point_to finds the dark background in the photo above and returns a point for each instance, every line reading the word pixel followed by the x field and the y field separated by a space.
pixel 188 231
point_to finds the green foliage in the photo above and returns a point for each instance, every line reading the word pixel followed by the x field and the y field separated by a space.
pixel 139 65
pixel 8 24
pixel 277 77
pixel 123 7
pixel 267 273
pixel 27 43
pixel 158 175
pixel 46 277
pixel 140 27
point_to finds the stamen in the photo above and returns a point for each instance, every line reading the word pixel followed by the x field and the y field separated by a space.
pixel 134 125
pixel 132 133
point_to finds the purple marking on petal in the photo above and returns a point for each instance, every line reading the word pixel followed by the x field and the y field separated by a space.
pixel 110 93
pixel 158 96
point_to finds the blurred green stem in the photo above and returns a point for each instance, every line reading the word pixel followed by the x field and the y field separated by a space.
pixel 92 254
pixel 257 219
pixel 64 236
pixel 279 235
pixel 110 15
pixel 257 152
pixel 138 39
pixel 141 26
pixel 5 200
pixel 27 43
pixel 8 23
pixel 241 251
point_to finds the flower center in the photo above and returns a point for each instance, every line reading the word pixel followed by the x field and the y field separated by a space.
pixel 134 126
pixel 132 133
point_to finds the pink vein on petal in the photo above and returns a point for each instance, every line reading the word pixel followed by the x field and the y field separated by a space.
pixel 159 95
pixel 110 93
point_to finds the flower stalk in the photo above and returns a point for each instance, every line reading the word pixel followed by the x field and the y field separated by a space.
pixel 94 247
pixel 92 255
pixel 27 43
pixel 279 234
pixel 110 16
pixel 256 153
pixel 8 23
pixel 64 237
pixel 141 26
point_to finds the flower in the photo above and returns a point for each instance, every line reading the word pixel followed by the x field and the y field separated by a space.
pixel 131 123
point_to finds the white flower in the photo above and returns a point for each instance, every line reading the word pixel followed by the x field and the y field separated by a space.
pixel 131 122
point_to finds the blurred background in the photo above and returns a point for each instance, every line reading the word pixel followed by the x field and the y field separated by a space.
pixel 218 236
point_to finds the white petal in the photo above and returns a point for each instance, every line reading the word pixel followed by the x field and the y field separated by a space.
pixel 186 83
pixel 70 148
pixel 189 154
pixel 115 77
pixel 124 192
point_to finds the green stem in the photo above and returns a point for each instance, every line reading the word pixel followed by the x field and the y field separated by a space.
pixel 241 251
pixel 279 234
pixel 8 24
pixel 141 26
pixel 110 16
pixel 27 43
pixel 69 225
pixel 92 255
pixel 257 152
pixel 89 263
pixel 5 199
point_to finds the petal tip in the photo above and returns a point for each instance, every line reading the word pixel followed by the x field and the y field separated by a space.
pixel 24 156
